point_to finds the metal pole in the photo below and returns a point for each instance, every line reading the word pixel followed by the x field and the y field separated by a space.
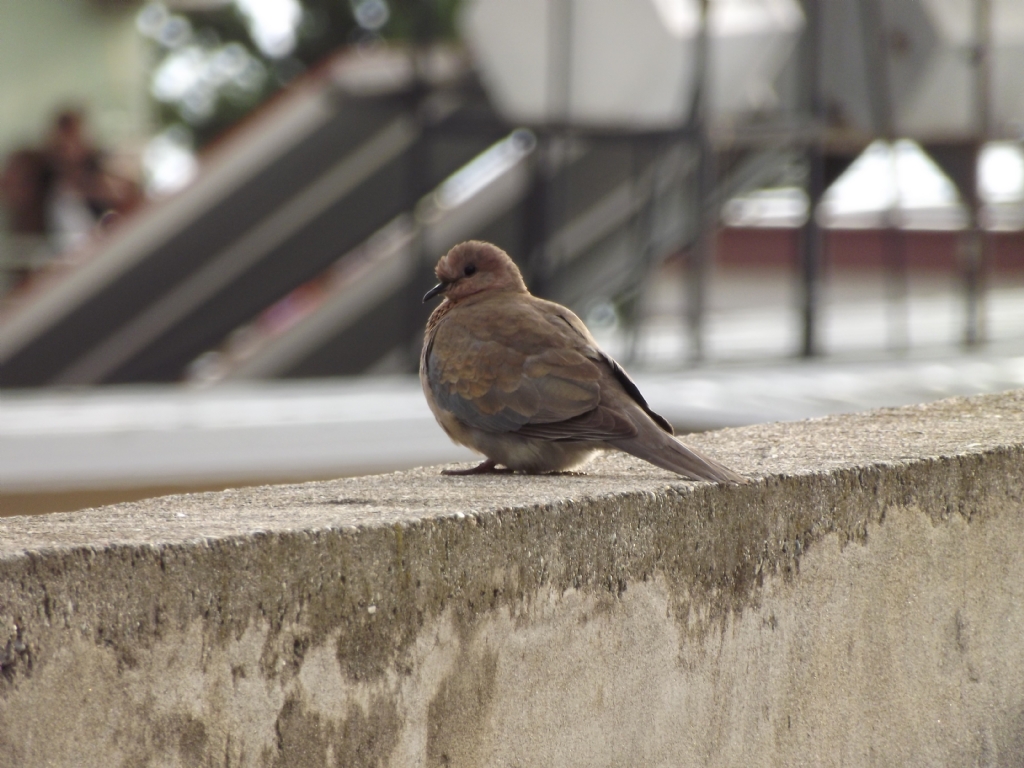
pixel 545 210
pixel 894 257
pixel 417 182
pixel 644 185
pixel 975 252
pixel 812 238
pixel 702 255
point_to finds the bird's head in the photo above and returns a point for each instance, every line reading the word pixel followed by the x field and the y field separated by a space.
pixel 472 267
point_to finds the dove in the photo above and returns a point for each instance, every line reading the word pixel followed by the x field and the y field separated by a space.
pixel 522 381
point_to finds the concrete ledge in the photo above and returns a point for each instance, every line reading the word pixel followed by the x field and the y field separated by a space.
pixel 861 604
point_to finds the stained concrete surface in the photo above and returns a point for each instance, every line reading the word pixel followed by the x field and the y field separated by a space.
pixel 861 603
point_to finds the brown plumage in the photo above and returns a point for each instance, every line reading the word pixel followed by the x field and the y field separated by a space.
pixel 521 380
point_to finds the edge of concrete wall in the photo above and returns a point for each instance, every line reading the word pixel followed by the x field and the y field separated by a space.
pixel 868 584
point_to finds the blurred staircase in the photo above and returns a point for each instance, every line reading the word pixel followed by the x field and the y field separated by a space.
pixel 303 248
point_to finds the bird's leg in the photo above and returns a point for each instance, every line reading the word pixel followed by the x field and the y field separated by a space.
pixel 483 468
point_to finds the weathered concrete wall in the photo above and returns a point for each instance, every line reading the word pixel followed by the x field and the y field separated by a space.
pixel 862 603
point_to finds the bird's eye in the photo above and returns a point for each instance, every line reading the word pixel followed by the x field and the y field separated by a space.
pixel 469 270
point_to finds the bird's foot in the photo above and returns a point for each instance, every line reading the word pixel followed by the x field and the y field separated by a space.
pixel 488 467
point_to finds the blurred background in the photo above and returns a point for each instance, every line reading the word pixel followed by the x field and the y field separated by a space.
pixel 217 217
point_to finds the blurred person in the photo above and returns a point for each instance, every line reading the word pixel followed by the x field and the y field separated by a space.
pixel 82 191
pixel 25 183
pixel 24 187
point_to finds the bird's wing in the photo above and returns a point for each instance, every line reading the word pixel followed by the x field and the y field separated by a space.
pixel 616 370
pixel 513 366
pixel 634 394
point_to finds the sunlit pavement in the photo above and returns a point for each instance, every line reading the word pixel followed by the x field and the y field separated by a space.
pixel 259 432
pixel 264 432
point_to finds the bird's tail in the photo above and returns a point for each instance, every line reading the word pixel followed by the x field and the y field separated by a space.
pixel 663 450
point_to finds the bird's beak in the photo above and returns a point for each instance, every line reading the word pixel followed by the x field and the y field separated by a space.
pixel 439 288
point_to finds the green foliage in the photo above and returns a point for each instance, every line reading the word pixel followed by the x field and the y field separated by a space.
pixel 326 26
